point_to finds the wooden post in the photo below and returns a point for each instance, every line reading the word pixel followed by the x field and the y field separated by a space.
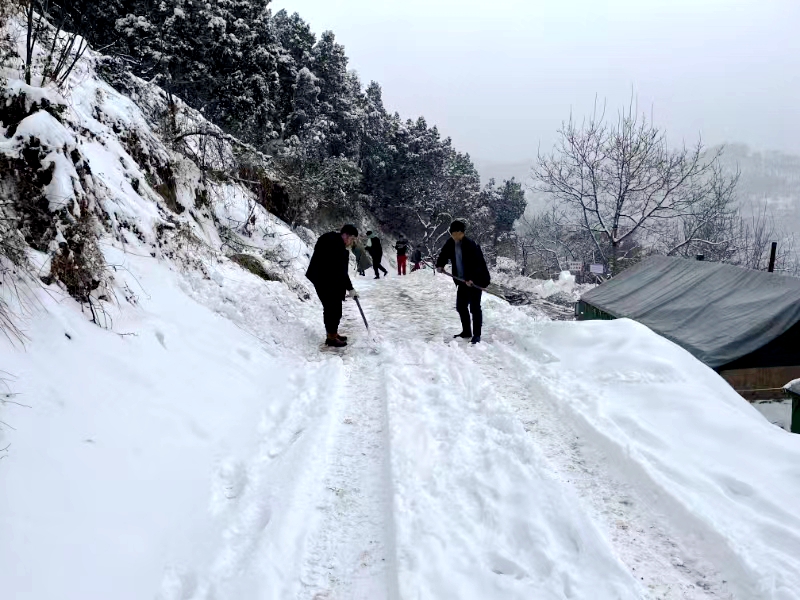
pixel 772 257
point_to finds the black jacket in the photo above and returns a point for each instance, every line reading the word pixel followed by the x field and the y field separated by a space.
pixel 401 246
pixel 328 267
pixel 475 269
pixel 375 249
pixel 416 256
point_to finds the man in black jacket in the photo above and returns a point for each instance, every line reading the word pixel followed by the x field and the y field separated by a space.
pixel 375 250
pixel 416 258
pixel 469 271
pixel 328 271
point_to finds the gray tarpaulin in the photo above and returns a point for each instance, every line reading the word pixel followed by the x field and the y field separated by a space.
pixel 717 312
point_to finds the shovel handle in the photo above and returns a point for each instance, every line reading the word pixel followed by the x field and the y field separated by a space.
pixel 362 312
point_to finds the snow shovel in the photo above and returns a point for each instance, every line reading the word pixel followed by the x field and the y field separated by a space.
pixel 362 312
pixel 477 287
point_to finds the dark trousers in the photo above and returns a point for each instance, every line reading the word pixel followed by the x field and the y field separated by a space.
pixel 468 300
pixel 331 308
pixel 376 264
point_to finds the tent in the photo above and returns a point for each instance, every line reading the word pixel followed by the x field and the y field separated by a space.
pixel 743 323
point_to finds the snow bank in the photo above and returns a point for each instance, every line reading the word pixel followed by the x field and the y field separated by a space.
pixel 127 444
pixel 126 435
pixel 718 467
pixel 565 284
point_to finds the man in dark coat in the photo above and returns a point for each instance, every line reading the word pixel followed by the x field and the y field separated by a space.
pixel 469 271
pixel 375 250
pixel 328 271
pixel 416 258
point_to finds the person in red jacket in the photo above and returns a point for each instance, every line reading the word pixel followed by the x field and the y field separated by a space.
pixel 402 250
pixel 328 271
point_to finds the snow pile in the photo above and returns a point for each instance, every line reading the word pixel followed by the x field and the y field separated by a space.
pixel 128 437
pixel 793 387
pixel 564 286
pixel 506 265
pixel 724 474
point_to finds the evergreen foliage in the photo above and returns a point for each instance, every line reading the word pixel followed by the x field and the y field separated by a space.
pixel 269 80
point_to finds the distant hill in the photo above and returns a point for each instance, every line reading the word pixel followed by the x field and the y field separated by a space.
pixel 771 177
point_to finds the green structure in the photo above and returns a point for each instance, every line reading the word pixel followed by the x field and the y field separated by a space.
pixel 742 323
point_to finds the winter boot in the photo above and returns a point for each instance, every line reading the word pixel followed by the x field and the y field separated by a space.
pixel 463 334
pixel 475 339
pixel 334 341
pixel 341 338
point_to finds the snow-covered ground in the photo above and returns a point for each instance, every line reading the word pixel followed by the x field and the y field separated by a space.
pixel 206 447
pixel 542 298
pixel 777 412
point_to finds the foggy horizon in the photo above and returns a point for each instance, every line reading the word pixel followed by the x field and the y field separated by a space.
pixel 500 80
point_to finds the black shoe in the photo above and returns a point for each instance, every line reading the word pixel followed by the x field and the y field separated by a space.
pixel 463 334
pixel 376 277
pixel 342 338
pixel 475 339
pixel 335 342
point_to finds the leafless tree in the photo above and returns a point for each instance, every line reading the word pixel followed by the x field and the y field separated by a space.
pixel 753 239
pixel 621 180
pixel 545 239
pixel 58 29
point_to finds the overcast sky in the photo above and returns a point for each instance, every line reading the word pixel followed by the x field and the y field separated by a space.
pixel 499 76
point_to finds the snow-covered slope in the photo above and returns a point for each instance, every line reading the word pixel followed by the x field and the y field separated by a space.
pixel 180 433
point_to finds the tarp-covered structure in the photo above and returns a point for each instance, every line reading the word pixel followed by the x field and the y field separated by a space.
pixel 726 316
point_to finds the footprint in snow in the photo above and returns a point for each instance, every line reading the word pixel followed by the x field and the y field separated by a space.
pixel 504 566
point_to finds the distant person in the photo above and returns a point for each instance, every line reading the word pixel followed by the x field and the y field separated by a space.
pixel 402 250
pixel 375 250
pixel 327 270
pixel 416 259
pixel 469 270
pixel 363 261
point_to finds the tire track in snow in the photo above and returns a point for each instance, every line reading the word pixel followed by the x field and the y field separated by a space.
pixel 654 549
pixel 350 553
pixel 262 505
pixel 475 516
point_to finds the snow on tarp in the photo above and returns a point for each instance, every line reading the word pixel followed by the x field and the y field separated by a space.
pixel 793 387
pixel 717 312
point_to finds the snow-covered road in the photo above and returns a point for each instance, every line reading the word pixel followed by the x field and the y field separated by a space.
pixel 553 460
pixel 446 472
